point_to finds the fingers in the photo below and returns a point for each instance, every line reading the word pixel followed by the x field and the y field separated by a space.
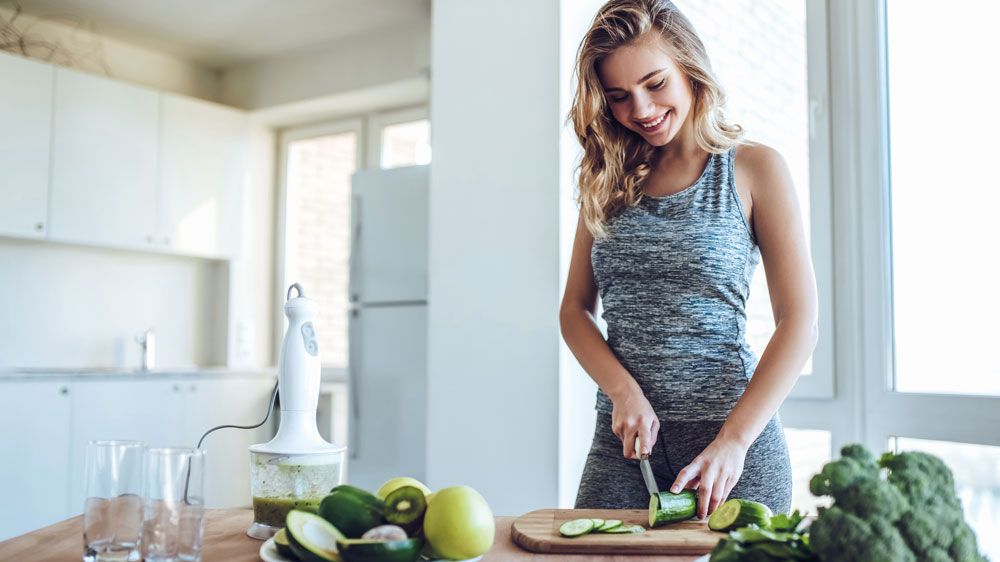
pixel 718 495
pixel 686 476
pixel 637 436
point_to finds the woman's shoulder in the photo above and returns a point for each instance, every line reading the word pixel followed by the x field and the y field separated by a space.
pixel 759 166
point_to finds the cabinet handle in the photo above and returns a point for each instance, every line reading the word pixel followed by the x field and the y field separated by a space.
pixel 193 388
pixel 39 226
pixel 177 388
pixel 166 240
pixel 64 390
pixel 149 239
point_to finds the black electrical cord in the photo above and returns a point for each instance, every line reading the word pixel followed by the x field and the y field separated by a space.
pixel 270 408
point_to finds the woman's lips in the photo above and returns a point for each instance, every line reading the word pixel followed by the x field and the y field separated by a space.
pixel 653 125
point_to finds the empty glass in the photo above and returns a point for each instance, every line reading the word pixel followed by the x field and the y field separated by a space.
pixel 112 512
pixel 173 527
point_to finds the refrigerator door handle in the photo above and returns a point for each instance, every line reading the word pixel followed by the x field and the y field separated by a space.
pixel 353 358
pixel 354 260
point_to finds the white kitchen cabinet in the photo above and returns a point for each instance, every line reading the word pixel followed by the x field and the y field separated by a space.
pixel 104 161
pixel 25 127
pixel 34 431
pixel 202 157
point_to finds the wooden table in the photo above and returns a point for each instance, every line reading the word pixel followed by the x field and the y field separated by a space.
pixel 226 541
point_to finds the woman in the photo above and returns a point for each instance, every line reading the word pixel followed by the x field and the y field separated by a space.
pixel 676 210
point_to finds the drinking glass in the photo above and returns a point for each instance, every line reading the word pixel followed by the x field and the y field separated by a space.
pixel 173 527
pixel 112 512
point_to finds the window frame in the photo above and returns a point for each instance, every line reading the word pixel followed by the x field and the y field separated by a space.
pixel 376 122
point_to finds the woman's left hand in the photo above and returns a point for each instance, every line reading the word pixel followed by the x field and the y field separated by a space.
pixel 713 473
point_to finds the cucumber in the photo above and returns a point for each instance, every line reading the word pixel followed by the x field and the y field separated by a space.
pixel 576 527
pixel 667 507
pixel 312 538
pixel 609 524
pixel 736 513
pixel 598 523
pixel 283 546
pixel 626 528
pixel 352 510
pixel 358 550
pixel 405 506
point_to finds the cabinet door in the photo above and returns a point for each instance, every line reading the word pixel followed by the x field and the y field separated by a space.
pixel 236 401
pixel 201 174
pixel 25 127
pixel 104 157
pixel 35 433
pixel 144 410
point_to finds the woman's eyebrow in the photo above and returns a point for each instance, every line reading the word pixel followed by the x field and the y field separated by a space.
pixel 641 80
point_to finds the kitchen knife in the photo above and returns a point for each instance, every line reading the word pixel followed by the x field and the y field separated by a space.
pixel 647 470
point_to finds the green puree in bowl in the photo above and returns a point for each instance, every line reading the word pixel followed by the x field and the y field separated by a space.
pixel 272 511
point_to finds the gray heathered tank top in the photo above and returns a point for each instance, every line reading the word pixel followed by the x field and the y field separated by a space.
pixel 674 275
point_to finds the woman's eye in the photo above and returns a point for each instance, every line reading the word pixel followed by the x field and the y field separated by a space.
pixel 618 99
pixel 658 85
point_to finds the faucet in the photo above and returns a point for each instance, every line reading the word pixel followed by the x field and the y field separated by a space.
pixel 147 340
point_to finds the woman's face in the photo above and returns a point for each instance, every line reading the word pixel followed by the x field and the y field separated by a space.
pixel 646 90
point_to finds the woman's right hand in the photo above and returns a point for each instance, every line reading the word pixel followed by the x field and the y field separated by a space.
pixel 633 418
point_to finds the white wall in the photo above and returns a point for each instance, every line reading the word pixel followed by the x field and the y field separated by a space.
pixel 494 251
pixel 126 62
pixel 385 56
pixel 65 306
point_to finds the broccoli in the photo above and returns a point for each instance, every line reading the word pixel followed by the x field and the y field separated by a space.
pixel 911 515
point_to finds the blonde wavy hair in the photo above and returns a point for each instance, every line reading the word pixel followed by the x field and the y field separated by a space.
pixel 616 160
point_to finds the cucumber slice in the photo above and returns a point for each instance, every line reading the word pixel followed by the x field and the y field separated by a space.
pixel 576 527
pixel 598 523
pixel 736 513
pixel 312 538
pixel 627 528
pixel 609 524
pixel 667 507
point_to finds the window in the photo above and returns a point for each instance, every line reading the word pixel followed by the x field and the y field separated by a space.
pixel 317 163
pixel 317 178
pixel 809 450
pixel 944 196
pixel 776 86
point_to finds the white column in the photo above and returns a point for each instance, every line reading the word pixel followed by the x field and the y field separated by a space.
pixel 494 351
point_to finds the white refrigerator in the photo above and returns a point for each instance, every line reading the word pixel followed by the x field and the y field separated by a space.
pixel 387 327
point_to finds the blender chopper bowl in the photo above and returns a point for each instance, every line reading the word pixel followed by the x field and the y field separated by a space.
pixel 297 468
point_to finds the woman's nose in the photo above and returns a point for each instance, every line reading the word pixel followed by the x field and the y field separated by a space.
pixel 642 107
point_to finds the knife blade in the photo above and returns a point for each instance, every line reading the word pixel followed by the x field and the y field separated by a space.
pixel 647 470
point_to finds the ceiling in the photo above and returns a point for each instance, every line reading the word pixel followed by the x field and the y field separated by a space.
pixel 221 33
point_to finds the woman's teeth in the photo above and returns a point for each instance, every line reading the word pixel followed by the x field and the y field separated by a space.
pixel 654 123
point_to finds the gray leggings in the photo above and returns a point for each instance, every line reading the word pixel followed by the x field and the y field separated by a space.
pixel 610 481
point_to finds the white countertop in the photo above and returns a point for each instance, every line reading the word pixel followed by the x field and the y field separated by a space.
pixel 14 373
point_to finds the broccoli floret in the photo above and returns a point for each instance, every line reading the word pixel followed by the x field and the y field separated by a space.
pixel 843 536
pixel 911 514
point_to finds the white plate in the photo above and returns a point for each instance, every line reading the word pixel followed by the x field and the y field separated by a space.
pixel 269 553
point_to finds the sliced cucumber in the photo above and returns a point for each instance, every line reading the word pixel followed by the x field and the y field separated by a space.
pixel 737 513
pixel 576 527
pixel 626 528
pixel 598 523
pixel 312 538
pixel 609 524
pixel 667 507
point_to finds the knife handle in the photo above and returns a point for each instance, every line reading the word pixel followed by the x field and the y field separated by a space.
pixel 638 453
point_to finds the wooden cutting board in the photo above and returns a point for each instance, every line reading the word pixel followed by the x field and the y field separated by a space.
pixel 538 531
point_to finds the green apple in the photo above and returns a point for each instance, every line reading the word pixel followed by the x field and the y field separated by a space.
pixel 397 483
pixel 459 523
